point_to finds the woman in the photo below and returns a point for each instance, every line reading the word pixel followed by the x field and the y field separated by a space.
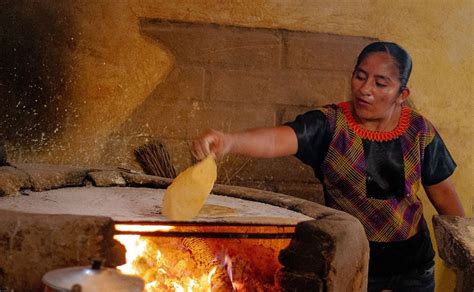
pixel 371 155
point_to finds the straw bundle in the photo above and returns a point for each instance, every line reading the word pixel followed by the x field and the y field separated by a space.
pixel 155 159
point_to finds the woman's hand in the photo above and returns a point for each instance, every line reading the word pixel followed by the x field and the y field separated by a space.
pixel 211 142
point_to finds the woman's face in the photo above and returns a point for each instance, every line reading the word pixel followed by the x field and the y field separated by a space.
pixel 376 87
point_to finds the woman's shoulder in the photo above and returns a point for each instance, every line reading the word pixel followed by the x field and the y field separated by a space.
pixel 330 112
pixel 326 112
pixel 320 117
pixel 420 122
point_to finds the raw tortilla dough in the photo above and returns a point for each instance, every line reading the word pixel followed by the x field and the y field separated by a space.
pixel 187 194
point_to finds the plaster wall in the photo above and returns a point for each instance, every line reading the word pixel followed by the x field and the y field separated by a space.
pixel 109 68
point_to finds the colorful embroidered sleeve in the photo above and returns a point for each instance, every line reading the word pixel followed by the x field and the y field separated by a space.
pixel 438 164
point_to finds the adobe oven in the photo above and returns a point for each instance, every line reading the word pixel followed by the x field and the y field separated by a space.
pixel 243 239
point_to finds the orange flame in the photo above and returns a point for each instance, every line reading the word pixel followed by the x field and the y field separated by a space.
pixel 152 265
pixel 143 228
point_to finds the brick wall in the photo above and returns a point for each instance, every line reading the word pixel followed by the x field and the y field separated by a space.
pixel 231 78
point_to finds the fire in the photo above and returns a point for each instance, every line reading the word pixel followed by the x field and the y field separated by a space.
pixel 145 259
pixel 228 264
pixel 142 228
pixel 176 258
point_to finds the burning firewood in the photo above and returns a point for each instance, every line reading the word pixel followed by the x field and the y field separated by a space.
pixel 206 257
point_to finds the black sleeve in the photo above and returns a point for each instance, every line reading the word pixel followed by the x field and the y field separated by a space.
pixel 314 135
pixel 438 164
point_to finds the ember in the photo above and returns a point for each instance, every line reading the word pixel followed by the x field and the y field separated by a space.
pixel 199 264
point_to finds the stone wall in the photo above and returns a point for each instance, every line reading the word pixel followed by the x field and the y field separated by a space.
pixel 232 78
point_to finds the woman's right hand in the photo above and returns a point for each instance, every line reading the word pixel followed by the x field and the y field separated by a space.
pixel 211 142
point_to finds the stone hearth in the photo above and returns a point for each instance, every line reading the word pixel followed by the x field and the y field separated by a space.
pixel 328 250
pixel 455 238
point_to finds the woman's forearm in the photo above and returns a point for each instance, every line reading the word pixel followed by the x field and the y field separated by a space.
pixel 445 199
pixel 259 142
pixel 265 142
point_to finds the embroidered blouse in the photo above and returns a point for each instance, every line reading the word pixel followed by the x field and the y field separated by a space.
pixel 375 176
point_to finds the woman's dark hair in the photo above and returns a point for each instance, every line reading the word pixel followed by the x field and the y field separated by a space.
pixel 400 56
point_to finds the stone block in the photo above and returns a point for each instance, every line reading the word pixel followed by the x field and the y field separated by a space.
pixel 36 244
pixel 12 181
pixel 325 246
pixel 145 180
pixel 299 281
pixel 46 177
pixel 455 238
pixel 107 178
pixel 216 45
pixel 289 87
pixel 309 251
pixel 323 51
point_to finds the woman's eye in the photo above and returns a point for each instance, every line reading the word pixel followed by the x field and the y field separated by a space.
pixel 380 84
pixel 359 77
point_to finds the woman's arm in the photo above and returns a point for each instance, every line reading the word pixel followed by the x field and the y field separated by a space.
pixel 259 142
pixel 444 198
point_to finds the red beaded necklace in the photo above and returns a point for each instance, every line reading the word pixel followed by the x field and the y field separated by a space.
pixel 403 124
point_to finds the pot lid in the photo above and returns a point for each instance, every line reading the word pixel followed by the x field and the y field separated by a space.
pixel 93 278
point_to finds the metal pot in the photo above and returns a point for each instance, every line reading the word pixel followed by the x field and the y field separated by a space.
pixel 88 279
